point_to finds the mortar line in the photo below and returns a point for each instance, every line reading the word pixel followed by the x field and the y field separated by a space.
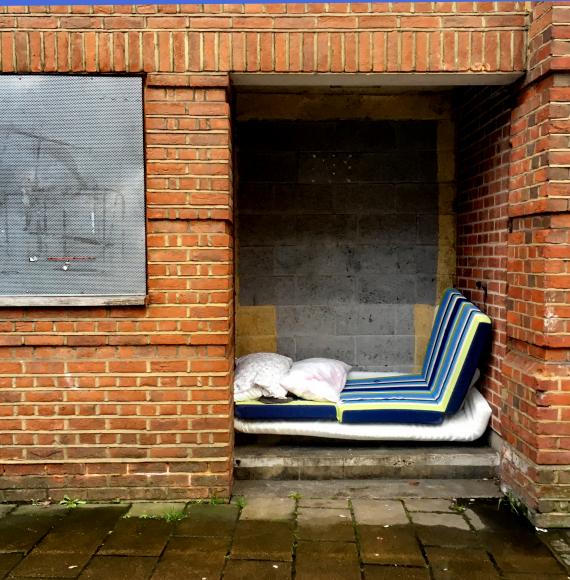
pixel 356 538
pixel 227 556
pixel 476 531
pixel 99 546
pixel 170 535
pixel 420 544
pixel 295 539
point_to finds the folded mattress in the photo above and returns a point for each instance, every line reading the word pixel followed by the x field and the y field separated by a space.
pixel 459 336
pixel 466 425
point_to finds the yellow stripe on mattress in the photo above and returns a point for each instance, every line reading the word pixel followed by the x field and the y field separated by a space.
pixel 478 319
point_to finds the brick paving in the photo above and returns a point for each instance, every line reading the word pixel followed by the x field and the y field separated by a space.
pixel 278 539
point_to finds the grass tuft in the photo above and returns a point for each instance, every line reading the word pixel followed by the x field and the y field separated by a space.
pixel 71 502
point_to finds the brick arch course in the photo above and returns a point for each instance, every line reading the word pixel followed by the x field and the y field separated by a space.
pixel 359 37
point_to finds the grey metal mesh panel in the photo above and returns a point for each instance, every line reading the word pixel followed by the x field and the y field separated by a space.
pixel 72 216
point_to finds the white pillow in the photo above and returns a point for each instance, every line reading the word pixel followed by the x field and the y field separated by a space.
pixel 260 374
pixel 317 379
pixel 249 394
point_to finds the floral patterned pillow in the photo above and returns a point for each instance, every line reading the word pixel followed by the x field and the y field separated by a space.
pixel 259 375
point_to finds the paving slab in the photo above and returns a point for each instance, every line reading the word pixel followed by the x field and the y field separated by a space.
pixel 137 537
pixel 379 512
pixel 428 505
pixel 325 524
pixel 26 525
pixel 466 575
pixel 42 565
pixel 193 557
pixel 198 545
pixel 461 562
pixel 395 573
pixel 436 529
pixel 9 561
pixel 6 508
pixel 155 509
pixel 336 551
pixel 459 558
pixel 475 520
pixel 394 545
pixel 326 569
pixel 492 517
pixel 520 552
pixel 323 503
pixel 455 521
pixel 241 569
pixel 188 567
pixel 557 541
pixel 118 568
pixel 268 509
pixel 208 520
pixel 330 560
pixel 36 510
pixel 255 540
pixel 81 531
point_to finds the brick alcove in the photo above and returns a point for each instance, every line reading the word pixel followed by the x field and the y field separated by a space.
pixel 136 401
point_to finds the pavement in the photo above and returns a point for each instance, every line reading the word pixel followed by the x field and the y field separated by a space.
pixel 275 538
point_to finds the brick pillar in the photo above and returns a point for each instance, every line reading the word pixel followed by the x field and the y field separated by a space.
pixel 190 267
pixel 536 402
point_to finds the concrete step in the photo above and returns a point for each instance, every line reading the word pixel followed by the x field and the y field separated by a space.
pixel 292 462
pixel 372 489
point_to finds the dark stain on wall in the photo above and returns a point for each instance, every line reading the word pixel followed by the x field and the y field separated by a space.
pixel 338 228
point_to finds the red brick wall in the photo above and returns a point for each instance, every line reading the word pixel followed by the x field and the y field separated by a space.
pixel 537 377
pixel 536 427
pixel 136 402
pixel 483 159
pixel 343 37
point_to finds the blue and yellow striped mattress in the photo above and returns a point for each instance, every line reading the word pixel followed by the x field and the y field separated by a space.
pixel 459 337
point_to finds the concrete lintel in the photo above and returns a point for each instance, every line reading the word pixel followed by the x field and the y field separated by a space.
pixel 414 80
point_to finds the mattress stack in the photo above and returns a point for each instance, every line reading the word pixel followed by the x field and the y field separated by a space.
pixel 460 335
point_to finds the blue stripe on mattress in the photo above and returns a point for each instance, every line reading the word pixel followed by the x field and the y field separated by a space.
pixel 411 389
pixel 393 416
pixel 439 385
pixel 445 318
pixel 445 314
pixel 460 336
pixel 447 389
pixel 355 384
pixel 286 411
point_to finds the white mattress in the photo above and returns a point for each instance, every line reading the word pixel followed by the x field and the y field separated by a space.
pixel 468 424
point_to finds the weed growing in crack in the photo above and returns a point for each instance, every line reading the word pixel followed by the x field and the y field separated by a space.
pixel 240 502
pixel 514 504
pixel 71 503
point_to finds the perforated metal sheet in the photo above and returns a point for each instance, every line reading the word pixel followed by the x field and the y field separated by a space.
pixel 72 210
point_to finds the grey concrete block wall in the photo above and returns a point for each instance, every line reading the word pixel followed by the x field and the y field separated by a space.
pixel 338 228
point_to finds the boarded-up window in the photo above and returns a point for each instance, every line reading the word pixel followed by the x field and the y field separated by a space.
pixel 72 210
